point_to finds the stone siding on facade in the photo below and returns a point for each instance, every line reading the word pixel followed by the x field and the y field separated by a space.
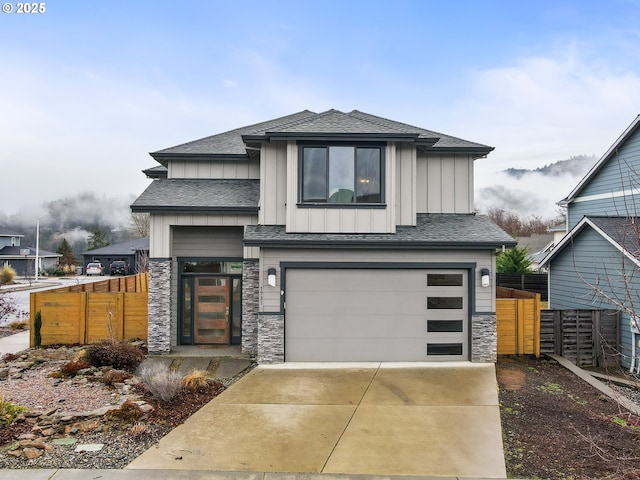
pixel 250 306
pixel 159 329
pixel 484 339
pixel 270 338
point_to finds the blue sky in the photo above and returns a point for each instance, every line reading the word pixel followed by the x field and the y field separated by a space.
pixel 88 88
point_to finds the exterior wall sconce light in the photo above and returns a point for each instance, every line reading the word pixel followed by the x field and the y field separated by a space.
pixel 271 277
pixel 485 276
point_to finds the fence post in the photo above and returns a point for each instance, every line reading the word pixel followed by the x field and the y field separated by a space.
pixel 520 330
pixel 82 321
pixel 536 326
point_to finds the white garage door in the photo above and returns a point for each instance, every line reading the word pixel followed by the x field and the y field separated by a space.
pixel 376 315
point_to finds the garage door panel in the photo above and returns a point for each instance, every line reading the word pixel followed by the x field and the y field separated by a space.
pixel 371 326
pixel 374 315
pixel 356 350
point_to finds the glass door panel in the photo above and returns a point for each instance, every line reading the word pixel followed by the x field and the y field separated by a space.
pixel 185 327
pixel 236 312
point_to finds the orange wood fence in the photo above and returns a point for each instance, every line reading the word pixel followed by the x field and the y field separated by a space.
pixel 518 323
pixel 110 309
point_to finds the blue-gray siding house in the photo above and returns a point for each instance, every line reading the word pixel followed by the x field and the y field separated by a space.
pixel 596 265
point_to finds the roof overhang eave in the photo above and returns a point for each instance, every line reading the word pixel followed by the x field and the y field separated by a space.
pixel 349 244
pixel 247 210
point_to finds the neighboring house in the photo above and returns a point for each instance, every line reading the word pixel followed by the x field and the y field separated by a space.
pixel 538 246
pixel 135 252
pixel 23 259
pixel 595 265
pixel 322 237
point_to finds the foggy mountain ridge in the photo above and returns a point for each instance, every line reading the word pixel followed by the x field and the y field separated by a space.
pixel 574 166
pixel 74 219
pixel 533 192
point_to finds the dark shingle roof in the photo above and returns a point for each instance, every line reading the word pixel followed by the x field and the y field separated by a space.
pixel 124 248
pixel 15 251
pixel 335 122
pixel 623 231
pixel 431 231
pixel 232 144
pixel 7 232
pixel 199 195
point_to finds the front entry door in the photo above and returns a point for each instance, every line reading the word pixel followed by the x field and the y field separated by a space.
pixel 211 310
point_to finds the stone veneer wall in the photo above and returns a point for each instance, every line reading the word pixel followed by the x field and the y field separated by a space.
pixel 250 306
pixel 484 338
pixel 159 329
pixel 270 338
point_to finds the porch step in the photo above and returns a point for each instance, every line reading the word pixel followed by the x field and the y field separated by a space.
pixel 217 368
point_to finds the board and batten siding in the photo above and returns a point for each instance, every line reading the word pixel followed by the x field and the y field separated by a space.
pixel 599 263
pixel 232 169
pixel 620 173
pixel 406 185
pixel 444 183
pixel 161 228
pixel 340 220
pixel 273 184
pixel 271 257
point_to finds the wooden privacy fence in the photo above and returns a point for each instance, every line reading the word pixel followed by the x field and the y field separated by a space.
pixel 518 322
pixel 114 308
pixel 586 337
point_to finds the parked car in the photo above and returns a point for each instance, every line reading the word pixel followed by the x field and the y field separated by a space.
pixel 94 268
pixel 119 268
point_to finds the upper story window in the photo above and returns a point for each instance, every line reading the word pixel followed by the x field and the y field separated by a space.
pixel 341 174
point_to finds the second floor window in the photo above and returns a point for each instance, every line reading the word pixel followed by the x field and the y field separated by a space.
pixel 341 174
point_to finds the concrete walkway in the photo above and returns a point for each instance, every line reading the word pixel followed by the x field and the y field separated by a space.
pixel 14 343
pixel 367 419
pixel 190 475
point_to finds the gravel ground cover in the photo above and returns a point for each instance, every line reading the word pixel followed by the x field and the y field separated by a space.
pixel 60 445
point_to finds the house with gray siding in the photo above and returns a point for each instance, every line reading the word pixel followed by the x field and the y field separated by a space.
pixel 23 259
pixel 322 237
pixel 595 265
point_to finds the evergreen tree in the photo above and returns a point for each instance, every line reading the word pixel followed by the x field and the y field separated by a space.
pixel 66 251
pixel 97 239
pixel 514 260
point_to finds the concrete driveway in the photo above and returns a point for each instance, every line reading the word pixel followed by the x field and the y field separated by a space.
pixel 382 419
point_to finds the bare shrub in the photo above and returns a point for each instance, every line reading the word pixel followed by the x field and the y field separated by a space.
pixel 69 369
pixel 128 412
pixel 113 376
pixel 119 355
pixel 162 382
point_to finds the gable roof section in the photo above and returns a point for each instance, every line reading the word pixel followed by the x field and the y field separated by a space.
pixel 621 232
pixel 431 231
pixel 600 163
pixel 306 124
pixel 228 144
pixel 200 195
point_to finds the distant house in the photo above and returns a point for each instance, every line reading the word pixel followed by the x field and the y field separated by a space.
pixel 322 237
pixel 23 259
pixel 596 264
pixel 134 252
pixel 537 246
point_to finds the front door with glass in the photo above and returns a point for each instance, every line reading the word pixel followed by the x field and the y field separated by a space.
pixel 211 310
